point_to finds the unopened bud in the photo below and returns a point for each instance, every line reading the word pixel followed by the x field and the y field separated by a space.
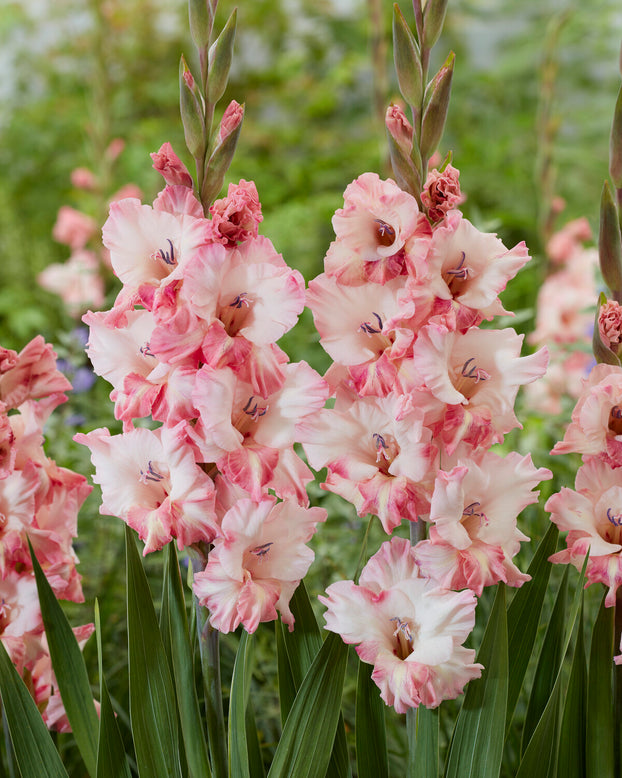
pixel 436 106
pixel 173 170
pixel 219 162
pixel 399 128
pixel 407 60
pixel 220 55
pixel 231 120
pixel 615 144
pixel 201 21
pixel 191 114
pixel 609 243
pixel 433 20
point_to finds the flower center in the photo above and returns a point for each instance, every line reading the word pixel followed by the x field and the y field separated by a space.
pixel 233 314
pixel 150 474
pixel 384 233
pixel 473 518
pixel 403 637
pixel 386 450
pixel 455 276
pixel 145 350
pixel 168 257
pixel 261 551
pixel 468 377
pixel 615 420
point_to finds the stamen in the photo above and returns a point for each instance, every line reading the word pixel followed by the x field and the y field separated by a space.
pixel 150 474
pixel 262 550
pixel 168 257
pixel 385 234
pixel 459 272
pixel 472 510
pixel 146 350
pixel 240 300
pixel 473 371
pixel 614 518
pixel 381 446
pixel 253 410
pixel 370 329
pixel 402 626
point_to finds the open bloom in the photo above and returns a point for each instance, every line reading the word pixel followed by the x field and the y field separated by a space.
pixel 474 509
pixel 151 481
pixel 409 628
pixel 596 426
pixel 257 563
pixel 593 517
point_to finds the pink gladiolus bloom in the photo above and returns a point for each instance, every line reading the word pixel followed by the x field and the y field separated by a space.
pixel 251 438
pixel 467 269
pixel 596 426
pixel 379 456
pixel 593 517
pixel 236 217
pixel 610 324
pixel 73 228
pixel 152 482
pixel 257 563
pixel 409 628
pixel 378 232
pixel 368 328
pixel 32 374
pixel 441 192
pixel 477 374
pixel 83 178
pixel 166 162
pixel 148 245
pixel 77 282
pixel 568 241
pixel 474 510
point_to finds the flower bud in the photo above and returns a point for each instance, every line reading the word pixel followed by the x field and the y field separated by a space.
pixel 399 128
pixel 173 170
pixel 407 60
pixel 436 104
pixel 441 192
pixel 433 19
pixel 601 341
pixel 201 22
pixel 231 120
pixel 220 55
pixel 191 115
pixel 221 157
pixel 615 144
pixel 609 244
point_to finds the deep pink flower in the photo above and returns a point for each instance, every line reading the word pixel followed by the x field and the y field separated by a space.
pixel 441 192
pixel 409 628
pixel 610 324
pixel 236 217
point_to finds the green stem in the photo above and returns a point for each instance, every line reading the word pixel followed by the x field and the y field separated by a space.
pixel 617 683
pixel 210 665
pixel 417 531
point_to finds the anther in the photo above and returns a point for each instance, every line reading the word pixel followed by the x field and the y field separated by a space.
pixel 614 518
pixel 369 328
pixel 262 550
pixel 168 257
pixel 240 300
pixel 385 234
pixel 150 474
pixel 473 371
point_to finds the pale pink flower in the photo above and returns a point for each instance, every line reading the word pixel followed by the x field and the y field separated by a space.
pixel 251 438
pixel 168 164
pixel 565 243
pixel 150 480
pixel 562 314
pixel 236 217
pixel 77 282
pixel 441 192
pixel 596 426
pixel 73 228
pixel 610 324
pixel 409 628
pixel 378 233
pixel 379 456
pixel 31 374
pixel 477 374
pixel 257 563
pixel 369 329
pixel 148 245
pixel 83 178
pixel 592 515
pixel 565 377
pixel 474 510
pixel 19 605
pixel 466 269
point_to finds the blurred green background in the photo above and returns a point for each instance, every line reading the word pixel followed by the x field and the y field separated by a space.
pixel 533 96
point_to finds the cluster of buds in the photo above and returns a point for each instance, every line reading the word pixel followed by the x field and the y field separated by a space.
pixel 39 501
pixel 80 282
pixel 422 392
pixel 592 511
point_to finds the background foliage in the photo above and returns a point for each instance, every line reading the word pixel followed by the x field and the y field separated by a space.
pixel 531 108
